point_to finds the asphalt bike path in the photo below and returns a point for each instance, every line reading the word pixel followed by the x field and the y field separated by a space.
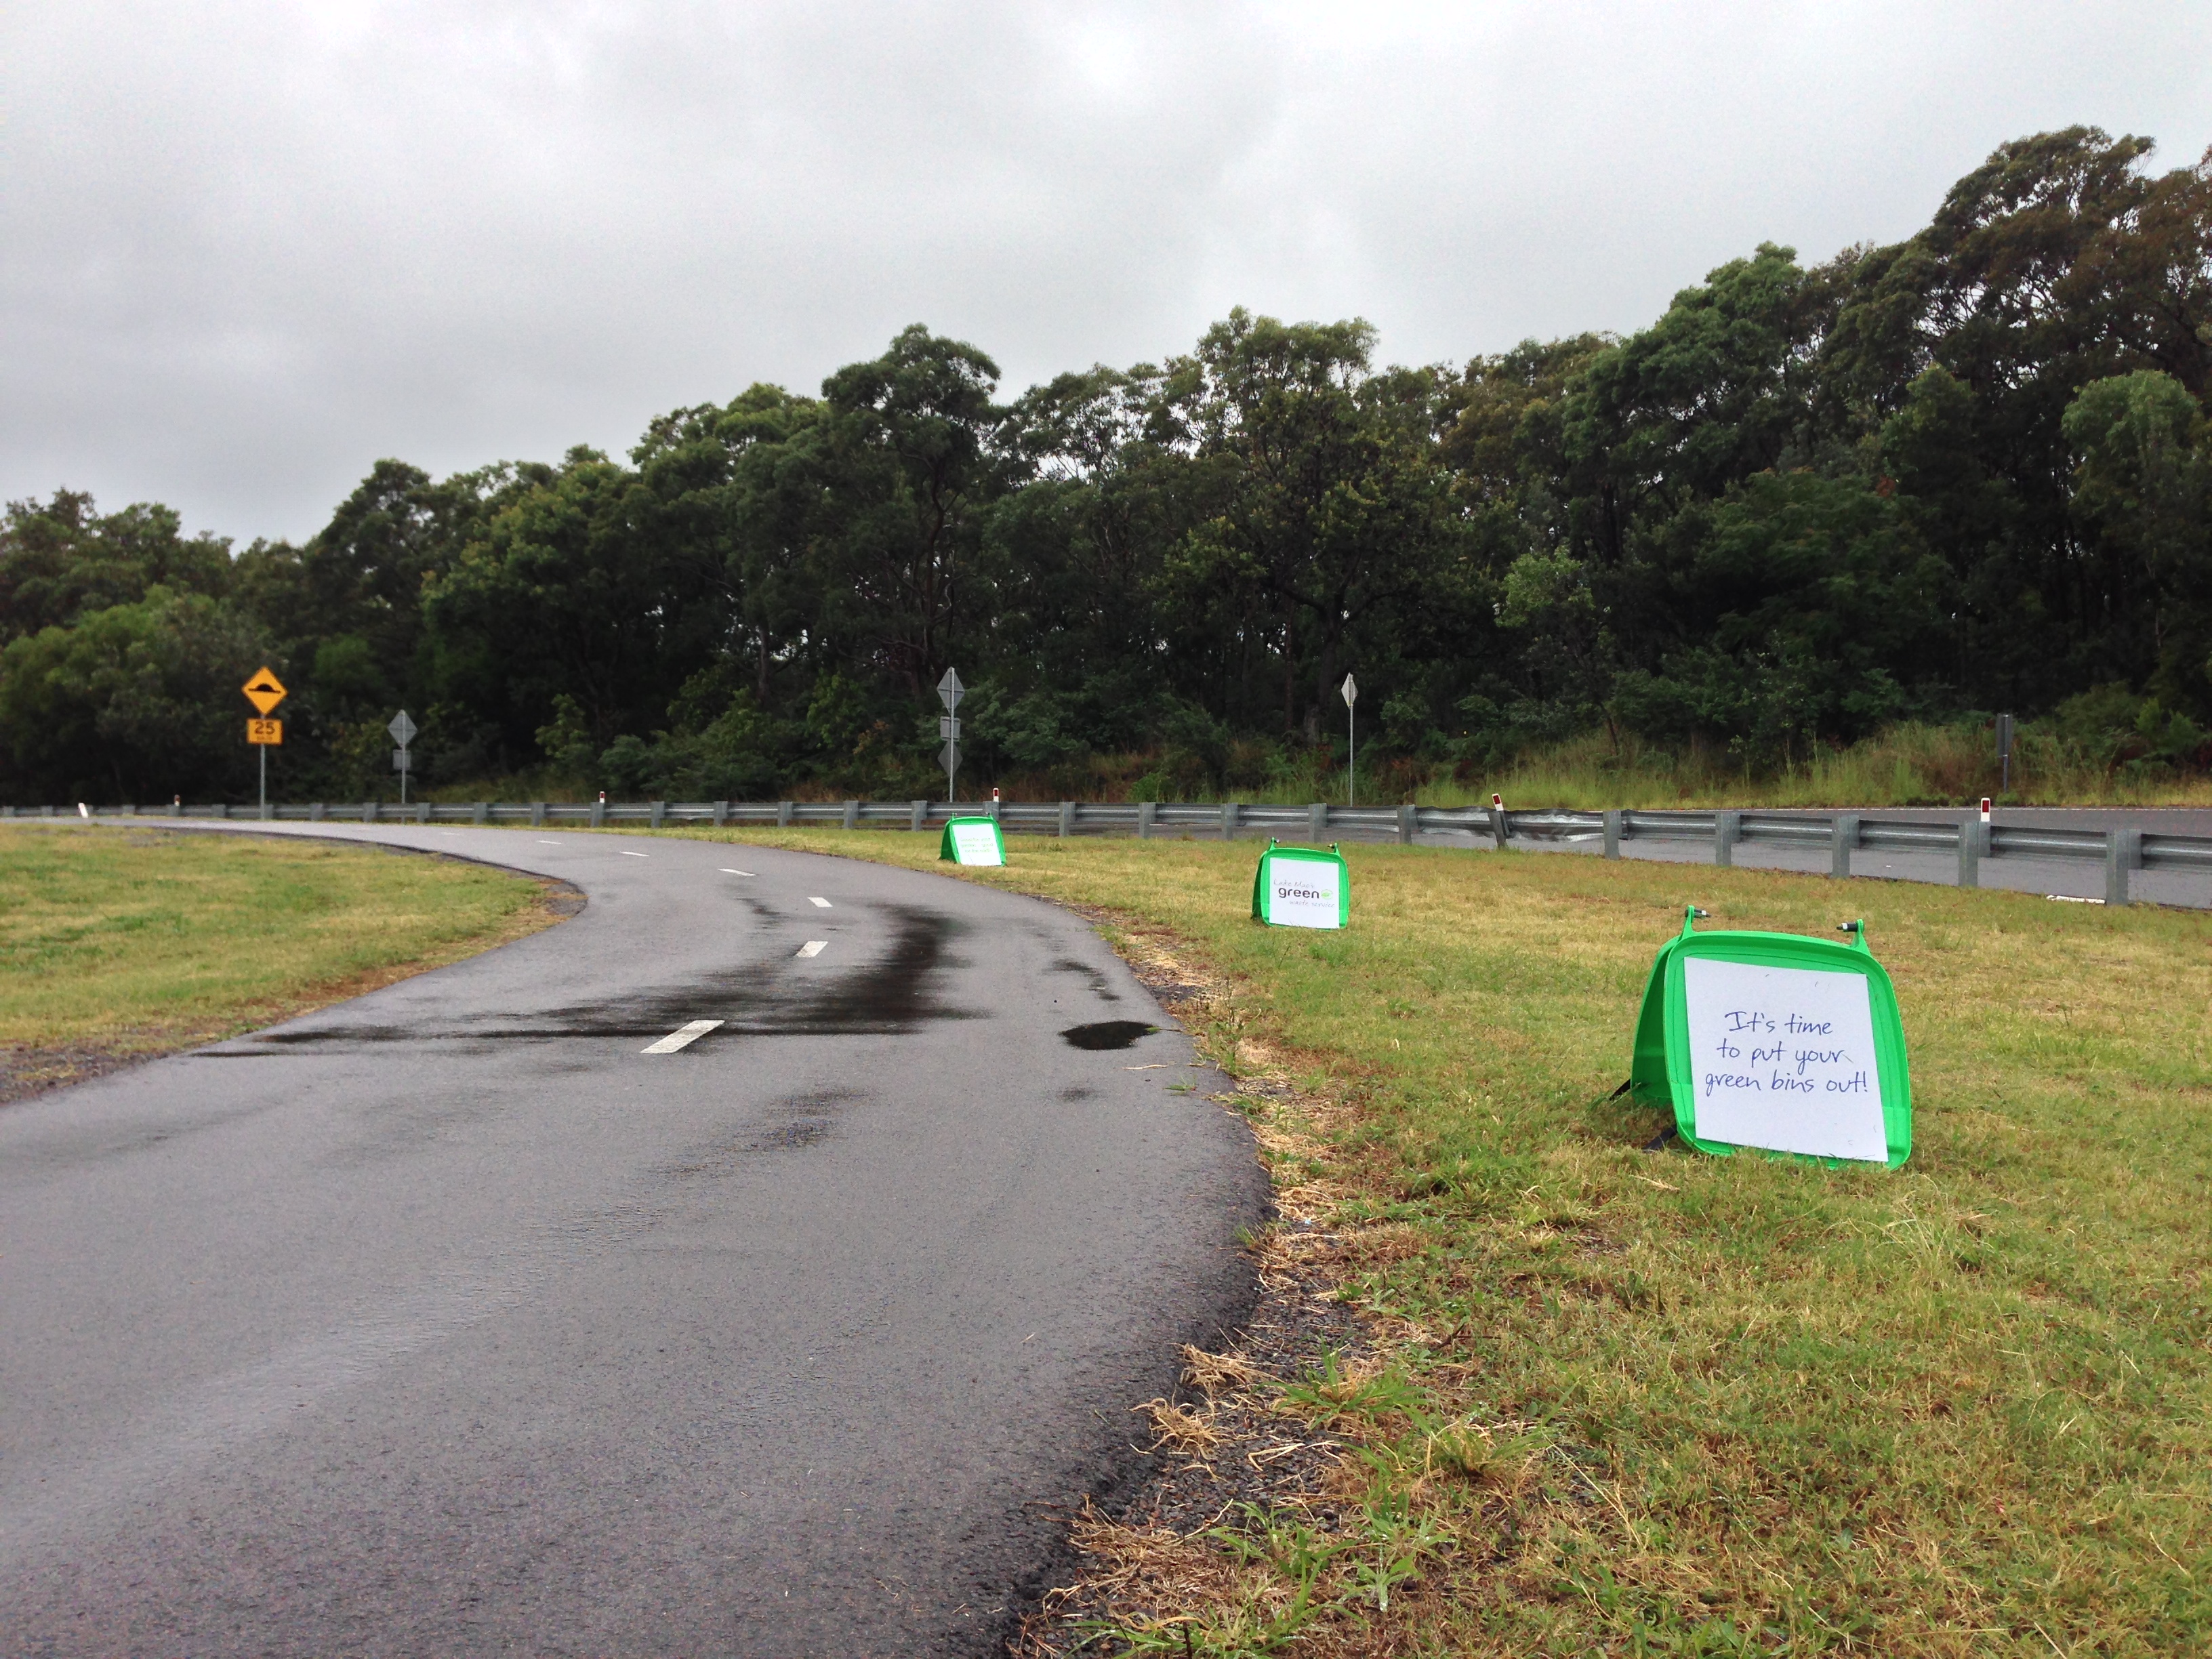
pixel 748 1264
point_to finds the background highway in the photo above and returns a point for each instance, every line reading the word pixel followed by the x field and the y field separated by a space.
pixel 2069 878
pixel 447 1319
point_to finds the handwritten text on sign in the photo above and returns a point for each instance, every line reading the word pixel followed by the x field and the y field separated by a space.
pixel 975 843
pixel 1784 1059
pixel 1304 892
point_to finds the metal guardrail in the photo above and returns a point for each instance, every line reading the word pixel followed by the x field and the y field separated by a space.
pixel 2121 851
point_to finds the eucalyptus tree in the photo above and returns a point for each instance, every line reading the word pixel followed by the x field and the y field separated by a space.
pixel 1333 506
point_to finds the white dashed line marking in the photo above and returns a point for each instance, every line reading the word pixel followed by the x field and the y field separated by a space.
pixel 813 947
pixel 737 873
pixel 626 854
pixel 823 902
pixel 549 843
pixel 681 1037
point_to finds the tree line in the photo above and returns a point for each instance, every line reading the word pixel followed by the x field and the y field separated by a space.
pixel 1964 472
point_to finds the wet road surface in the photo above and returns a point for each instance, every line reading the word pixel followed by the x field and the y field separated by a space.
pixel 450 1320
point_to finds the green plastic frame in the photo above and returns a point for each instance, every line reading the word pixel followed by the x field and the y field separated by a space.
pixel 1263 899
pixel 947 852
pixel 1661 1075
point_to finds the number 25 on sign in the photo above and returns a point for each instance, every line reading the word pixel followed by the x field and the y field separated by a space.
pixel 264 732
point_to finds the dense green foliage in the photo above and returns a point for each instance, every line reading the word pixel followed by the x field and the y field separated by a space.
pixel 1969 471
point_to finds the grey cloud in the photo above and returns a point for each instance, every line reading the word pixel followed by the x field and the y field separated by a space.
pixel 249 248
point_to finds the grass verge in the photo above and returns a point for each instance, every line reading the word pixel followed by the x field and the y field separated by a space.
pixel 120 943
pixel 1607 1402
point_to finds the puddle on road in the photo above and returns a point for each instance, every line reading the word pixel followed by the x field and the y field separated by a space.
pixel 1107 1034
pixel 898 993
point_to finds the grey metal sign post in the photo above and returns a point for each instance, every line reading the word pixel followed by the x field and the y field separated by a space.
pixel 403 733
pixel 1351 690
pixel 2004 752
pixel 949 692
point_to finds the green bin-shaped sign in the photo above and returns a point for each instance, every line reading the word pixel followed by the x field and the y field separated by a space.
pixel 1302 887
pixel 972 841
pixel 1776 1041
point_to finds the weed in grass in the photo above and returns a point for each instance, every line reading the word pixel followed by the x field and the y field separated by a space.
pixel 1331 1397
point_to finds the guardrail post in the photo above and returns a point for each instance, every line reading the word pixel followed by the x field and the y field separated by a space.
pixel 721 813
pixel 1843 839
pixel 1973 848
pixel 1727 828
pixel 429 813
pixel 783 815
pixel 852 818
pixel 1613 835
pixel 1146 812
pixel 1499 829
pixel 599 813
pixel 1066 819
pixel 656 809
pixel 1405 826
pixel 917 816
pixel 2123 853
pixel 991 808
pixel 483 813
pixel 264 811
pixel 1317 821
pixel 314 811
pixel 1232 814
pixel 368 812
pixel 538 814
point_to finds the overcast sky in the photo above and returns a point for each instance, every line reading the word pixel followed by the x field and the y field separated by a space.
pixel 245 249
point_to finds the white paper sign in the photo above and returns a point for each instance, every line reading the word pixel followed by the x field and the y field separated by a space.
pixel 975 843
pixel 1782 1058
pixel 1302 892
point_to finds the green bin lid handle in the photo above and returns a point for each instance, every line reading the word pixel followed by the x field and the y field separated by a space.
pixel 1857 930
pixel 1690 914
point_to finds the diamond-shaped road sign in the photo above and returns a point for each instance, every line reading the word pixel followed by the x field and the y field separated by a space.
pixel 1351 689
pixel 950 691
pixel 264 691
pixel 949 756
pixel 402 729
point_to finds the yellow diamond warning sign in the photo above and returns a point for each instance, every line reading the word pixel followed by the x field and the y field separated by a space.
pixel 265 690
pixel 264 730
